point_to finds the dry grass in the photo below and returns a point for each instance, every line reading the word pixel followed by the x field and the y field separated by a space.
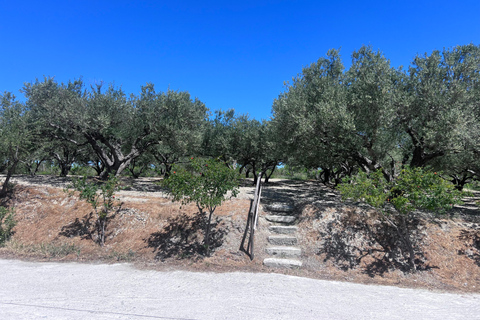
pixel 153 232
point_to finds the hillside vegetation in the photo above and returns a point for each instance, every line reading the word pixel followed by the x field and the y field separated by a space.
pixel 344 241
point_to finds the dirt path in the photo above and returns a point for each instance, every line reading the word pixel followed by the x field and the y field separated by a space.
pixel 32 290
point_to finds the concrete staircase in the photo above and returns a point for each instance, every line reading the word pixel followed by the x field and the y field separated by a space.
pixel 282 241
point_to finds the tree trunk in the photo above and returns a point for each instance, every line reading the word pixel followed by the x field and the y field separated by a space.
pixel 64 169
pixel 247 173
pixel 267 176
pixel 405 238
pixel 460 182
pixel 206 241
pixel 10 172
pixel 408 243
pixel 419 156
pixel 102 232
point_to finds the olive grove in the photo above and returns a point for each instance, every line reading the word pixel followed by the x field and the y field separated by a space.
pixel 334 120
pixel 118 129
pixel 376 117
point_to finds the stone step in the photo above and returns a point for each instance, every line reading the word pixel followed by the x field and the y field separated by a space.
pixel 282 219
pixel 331 194
pixel 282 263
pixel 284 251
pixel 283 229
pixel 282 240
pixel 278 207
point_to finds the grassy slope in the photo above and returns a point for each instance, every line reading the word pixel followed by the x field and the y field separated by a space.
pixel 153 232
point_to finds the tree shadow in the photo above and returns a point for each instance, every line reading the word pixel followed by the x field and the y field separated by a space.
pixel 79 228
pixel 301 194
pixel 354 242
pixel 51 180
pixel 85 228
pixel 183 237
pixel 472 239
pixel 143 185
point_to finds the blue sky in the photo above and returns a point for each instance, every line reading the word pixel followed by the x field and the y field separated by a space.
pixel 229 54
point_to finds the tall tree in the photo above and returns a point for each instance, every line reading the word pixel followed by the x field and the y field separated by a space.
pixel 311 119
pixel 218 137
pixel 441 96
pixel 377 116
pixel 15 136
pixel 371 86
pixel 118 129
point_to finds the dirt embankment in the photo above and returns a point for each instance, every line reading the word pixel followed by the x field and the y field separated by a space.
pixel 340 241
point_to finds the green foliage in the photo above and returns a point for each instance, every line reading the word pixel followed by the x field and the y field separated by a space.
pixel 294 173
pixel 373 115
pixel 101 196
pixel 117 129
pixel 207 183
pixel 203 182
pixel 81 170
pixel 423 190
pixel 7 222
pixel 373 189
pixel 16 136
pixel 247 142
pixel 413 189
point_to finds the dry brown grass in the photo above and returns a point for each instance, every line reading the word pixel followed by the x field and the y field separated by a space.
pixel 148 222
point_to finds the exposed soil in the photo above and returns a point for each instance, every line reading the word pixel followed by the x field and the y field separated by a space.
pixel 339 241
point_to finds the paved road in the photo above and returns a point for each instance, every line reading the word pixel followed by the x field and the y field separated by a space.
pixel 31 290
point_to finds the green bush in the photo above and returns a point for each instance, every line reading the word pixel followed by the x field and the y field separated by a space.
pixel 293 173
pixel 7 223
pixel 78 170
pixel 413 189
pixel 205 183
pixel 101 196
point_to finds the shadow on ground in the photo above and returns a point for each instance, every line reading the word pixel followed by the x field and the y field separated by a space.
pixel 472 239
pixel 183 237
pixel 355 240
pixel 85 228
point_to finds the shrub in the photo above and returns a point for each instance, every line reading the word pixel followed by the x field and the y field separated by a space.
pixel 413 189
pixel 7 223
pixel 101 197
pixel 205 183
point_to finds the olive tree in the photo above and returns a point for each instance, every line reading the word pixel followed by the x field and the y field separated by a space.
pixel 240 140
pixel 116 127
pixel 15 136
pixel 218 138
pixel 311 121
pixel 439 108
pixel 381 118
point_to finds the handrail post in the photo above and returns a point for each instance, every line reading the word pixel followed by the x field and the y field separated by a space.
pixel 252 220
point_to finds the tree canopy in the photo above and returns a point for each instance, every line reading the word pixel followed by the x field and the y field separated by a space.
pixel 370 116
pixel 377 117
pixel 116 127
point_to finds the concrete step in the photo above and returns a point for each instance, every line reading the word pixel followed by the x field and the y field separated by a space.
pixel 282 263
pixel 283 251
pixel 279 207
pixel 283 229
pixel 282 240
pixel 281 219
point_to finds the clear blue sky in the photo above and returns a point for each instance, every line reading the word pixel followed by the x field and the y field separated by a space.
pixel 229 54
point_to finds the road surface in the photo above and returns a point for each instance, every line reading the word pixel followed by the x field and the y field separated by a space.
pixel 33 290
